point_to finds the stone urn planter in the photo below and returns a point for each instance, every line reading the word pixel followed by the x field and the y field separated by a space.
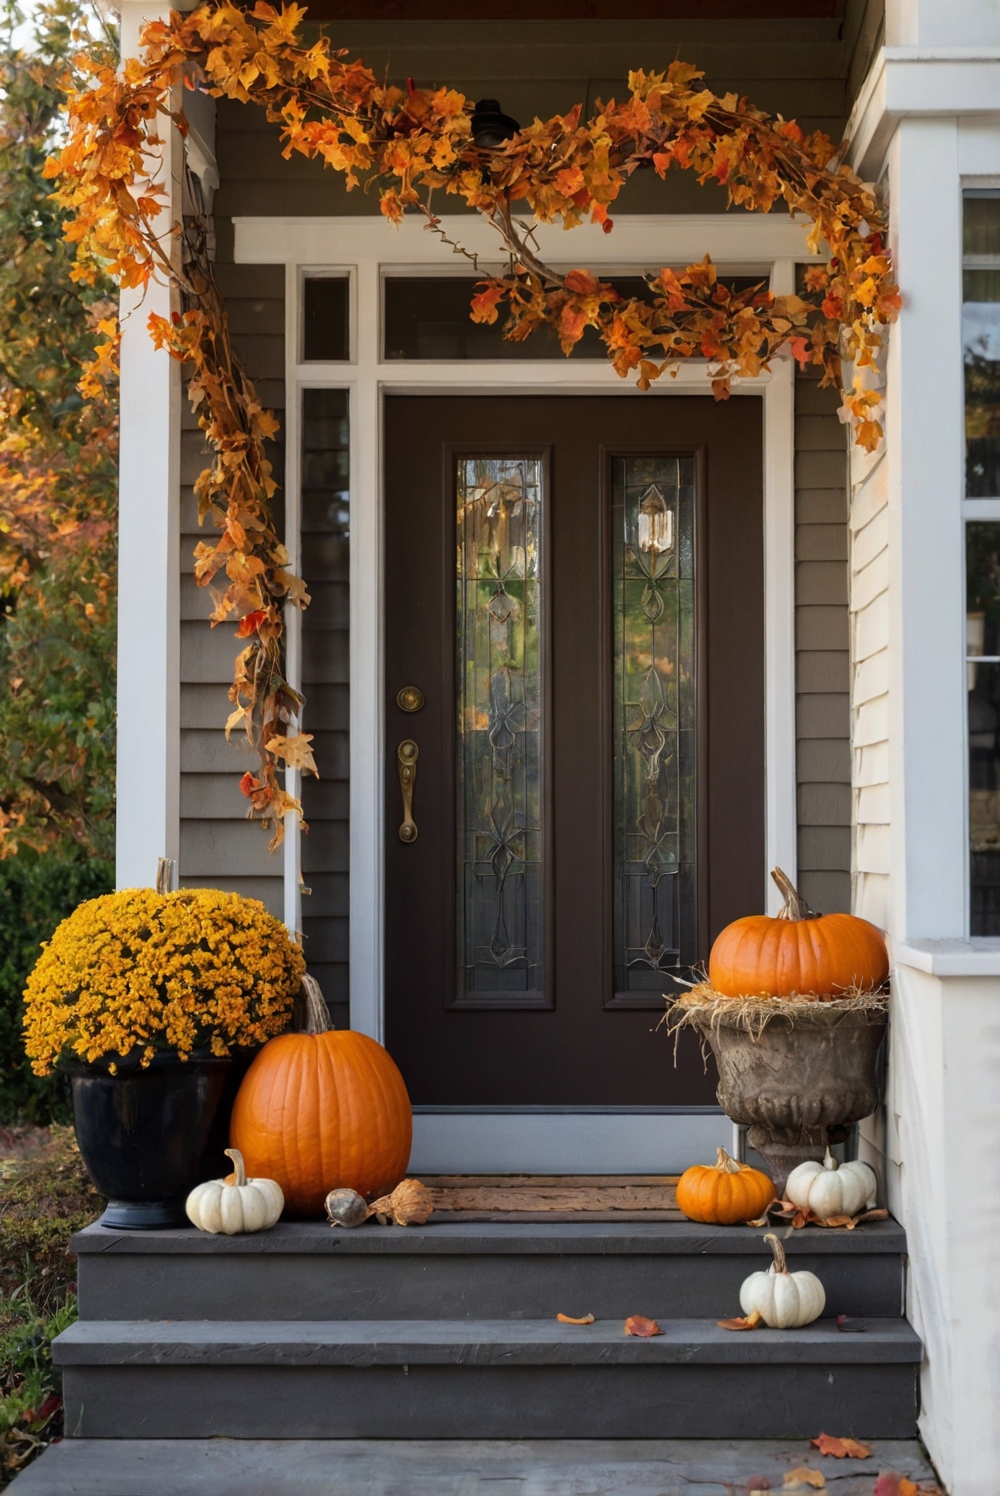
pixel 794 1074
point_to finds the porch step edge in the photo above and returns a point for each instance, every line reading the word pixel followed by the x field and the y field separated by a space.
pixel 492 1238
pixel 457 1467
pixel 470 1343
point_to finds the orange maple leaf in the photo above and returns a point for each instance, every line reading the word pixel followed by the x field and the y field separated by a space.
pixel 638 1324
pixel 841 1448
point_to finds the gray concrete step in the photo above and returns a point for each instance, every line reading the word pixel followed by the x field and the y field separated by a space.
pixel 460 1467
pixel 484 1379
pixel 305 1270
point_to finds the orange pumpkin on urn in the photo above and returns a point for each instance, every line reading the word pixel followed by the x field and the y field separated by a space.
pixel 798 953
pixel 323 1109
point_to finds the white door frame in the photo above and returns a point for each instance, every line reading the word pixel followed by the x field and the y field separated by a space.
pixel 368 249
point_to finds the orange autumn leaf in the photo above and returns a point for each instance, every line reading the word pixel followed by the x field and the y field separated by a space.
pixel 638 1324
pixel 296 753
pixel 841 1448
pixel 484 303
pixel 804 1475
pixel 749 1322
pixel 567 1319
pixel 582 282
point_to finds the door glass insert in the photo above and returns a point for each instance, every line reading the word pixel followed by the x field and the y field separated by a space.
pixel 500 747
pixel 653 723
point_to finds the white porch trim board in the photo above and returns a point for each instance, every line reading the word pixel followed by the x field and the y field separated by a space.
pixel 575 1140
pixel 148 751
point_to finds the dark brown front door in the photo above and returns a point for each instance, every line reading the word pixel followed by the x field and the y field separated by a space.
pixel 574 592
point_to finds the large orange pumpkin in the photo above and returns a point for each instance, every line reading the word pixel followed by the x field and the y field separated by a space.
pixel 797 953
pixel 723 1193
pixel 321 1110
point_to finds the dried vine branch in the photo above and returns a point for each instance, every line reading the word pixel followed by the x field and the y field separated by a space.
pixel 410 145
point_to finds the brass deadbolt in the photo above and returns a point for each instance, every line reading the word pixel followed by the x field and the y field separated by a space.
pixel 410 699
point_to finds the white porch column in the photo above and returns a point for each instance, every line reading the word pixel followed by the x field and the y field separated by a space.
pixel 925 457
pixel 148 775
pixel 928 124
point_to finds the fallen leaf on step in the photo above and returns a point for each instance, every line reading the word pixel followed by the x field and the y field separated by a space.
pixel 739 1323
pixel 567 1319
pixel 802 1476
pixel 760 1221
pixel 892 1484
pixel 800 1216
pixel 638 1324
pixel 841 1449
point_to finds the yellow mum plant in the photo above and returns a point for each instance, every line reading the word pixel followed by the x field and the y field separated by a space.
pixel 140 971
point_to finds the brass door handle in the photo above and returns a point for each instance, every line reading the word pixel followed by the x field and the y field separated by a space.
pixel 406 762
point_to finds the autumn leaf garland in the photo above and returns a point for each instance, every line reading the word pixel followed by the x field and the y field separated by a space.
pixel 410 144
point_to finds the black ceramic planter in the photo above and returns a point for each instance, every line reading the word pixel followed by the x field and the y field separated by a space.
pixel 142 1133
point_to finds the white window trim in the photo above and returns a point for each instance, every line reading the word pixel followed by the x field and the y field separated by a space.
pixel 367 248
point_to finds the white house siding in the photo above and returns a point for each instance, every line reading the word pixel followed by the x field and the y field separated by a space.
pixel 869 612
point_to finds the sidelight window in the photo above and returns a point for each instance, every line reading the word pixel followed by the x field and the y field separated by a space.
pixel 326 321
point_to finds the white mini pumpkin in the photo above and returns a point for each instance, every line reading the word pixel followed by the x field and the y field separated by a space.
pixel 831 1190
pixel 235 1204
pixel 783 1300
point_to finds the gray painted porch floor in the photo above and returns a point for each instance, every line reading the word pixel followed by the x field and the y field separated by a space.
pixel 360 1467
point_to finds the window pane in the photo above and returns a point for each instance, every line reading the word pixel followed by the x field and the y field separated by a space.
pixel 326 319
pixel 427 318
pixel 655 812
pixel 500 745
pixel 983 679
pixel 981 343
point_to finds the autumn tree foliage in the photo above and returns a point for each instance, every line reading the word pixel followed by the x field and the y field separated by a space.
pixel 416 147
pixel 57 471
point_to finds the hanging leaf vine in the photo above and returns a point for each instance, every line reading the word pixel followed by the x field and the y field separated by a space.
pixel 412 145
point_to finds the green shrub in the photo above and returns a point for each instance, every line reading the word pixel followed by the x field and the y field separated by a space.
pixel 36 892
pixel 43 1199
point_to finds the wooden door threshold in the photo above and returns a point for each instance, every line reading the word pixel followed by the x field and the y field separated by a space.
pixel 549 1198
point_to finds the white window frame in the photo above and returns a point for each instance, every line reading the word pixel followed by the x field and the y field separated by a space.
pixel 987 510
pixel 367 249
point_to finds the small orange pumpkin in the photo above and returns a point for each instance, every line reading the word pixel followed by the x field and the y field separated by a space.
pixel 321 1110
pixel 723 1193
pixel 798 953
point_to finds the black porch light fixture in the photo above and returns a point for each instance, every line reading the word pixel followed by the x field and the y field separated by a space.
pixel 490 126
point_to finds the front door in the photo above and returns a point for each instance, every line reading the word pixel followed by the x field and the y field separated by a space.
pixel 575 736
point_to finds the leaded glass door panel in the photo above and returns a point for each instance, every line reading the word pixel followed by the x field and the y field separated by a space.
pixel 575 722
